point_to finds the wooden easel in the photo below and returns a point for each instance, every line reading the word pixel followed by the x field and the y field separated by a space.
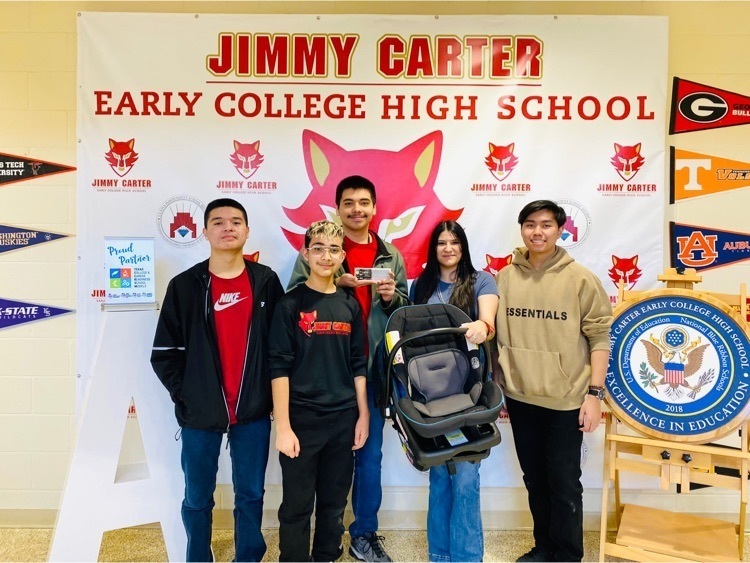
pixel 647 534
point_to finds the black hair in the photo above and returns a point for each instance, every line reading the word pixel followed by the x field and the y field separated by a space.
pixel 543 205
pixel 355 183
pixel 463 290
pixel 223 202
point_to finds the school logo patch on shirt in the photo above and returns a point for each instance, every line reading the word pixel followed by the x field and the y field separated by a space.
pixel 306 321
pixel 310 325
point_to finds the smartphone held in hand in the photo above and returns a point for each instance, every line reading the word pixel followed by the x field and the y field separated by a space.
pixel 372 274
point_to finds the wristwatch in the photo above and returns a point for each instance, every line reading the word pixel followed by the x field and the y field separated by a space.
pixel 596 391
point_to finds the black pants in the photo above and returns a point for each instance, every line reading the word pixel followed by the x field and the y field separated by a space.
pixel 548 444
pixel 319 477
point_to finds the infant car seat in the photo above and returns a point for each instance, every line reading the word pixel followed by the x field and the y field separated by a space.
pixel 437 388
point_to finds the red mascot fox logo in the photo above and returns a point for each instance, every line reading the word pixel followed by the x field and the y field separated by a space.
pixel 121 156
pixel 252 257
pixel 495 264
pixel 407 207
pixel 306 322
pixel 625 269
pixel 627 160
pixel 246 158
pixel 501 161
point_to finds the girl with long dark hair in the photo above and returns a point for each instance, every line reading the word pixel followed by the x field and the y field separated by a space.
pixel 454 519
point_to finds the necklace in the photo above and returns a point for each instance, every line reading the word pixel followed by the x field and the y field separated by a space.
pixel 440 294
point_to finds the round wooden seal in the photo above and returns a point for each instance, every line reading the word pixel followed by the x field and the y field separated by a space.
pixel 680 366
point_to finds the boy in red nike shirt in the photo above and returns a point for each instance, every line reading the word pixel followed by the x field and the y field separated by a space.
pixel 211 353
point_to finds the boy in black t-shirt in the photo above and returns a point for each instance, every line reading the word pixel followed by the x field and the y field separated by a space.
pixel 318 368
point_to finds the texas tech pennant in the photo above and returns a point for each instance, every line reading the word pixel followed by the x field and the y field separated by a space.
pixel 697 107
pixel 15 168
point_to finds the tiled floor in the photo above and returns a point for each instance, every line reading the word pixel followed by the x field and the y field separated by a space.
pixel 142 544
pixel 146 544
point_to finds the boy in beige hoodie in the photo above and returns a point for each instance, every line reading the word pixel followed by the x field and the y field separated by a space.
pixel 553 339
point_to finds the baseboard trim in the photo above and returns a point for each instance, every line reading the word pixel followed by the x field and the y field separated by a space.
pixel 388 519
pixel 27 518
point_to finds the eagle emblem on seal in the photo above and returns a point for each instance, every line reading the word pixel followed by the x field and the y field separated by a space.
pixel 674 359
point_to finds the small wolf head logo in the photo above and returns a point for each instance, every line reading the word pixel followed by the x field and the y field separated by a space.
pixel 627 160
pixel 407 206
pixel 625 269
pixel 501 161
pixel 121 157
pixel 306 321
pixel 246 158
pixel 495 264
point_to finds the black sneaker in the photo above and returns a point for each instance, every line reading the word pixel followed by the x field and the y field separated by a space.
pixel 536 554
pixel 339 553
pixel 368 548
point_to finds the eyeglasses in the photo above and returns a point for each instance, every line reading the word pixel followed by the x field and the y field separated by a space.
pixel 321 250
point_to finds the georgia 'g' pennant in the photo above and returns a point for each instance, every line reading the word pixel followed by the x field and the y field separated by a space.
pixel 697 107
pixel 694 174
pixel 703 248
pixel 14 313
pixel 18 238
pixel 14 168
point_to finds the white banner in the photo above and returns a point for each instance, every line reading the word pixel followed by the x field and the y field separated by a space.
pixel 467 118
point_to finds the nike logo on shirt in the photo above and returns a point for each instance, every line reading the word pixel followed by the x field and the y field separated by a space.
pixel 226 300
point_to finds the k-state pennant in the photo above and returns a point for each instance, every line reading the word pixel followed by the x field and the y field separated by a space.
pixel 14 313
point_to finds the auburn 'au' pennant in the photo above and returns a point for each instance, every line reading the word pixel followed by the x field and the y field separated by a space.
pixel 15 168
pixel 695 174
pixel 703 248
pixel 697 107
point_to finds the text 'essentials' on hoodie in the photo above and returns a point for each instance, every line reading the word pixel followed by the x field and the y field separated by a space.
pixel 549 321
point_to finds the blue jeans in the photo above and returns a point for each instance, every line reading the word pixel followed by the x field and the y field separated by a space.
pixel 454 519
pixel 367 491
pixel 248 445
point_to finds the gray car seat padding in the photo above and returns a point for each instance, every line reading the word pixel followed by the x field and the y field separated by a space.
pixel 440 377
